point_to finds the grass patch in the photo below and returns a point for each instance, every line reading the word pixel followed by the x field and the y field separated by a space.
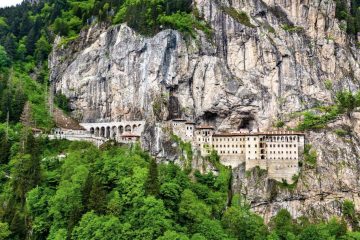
pixel 186 23
pixel 240 17
pixel 310 156
pixel 285 185
pixel 37 96
pixel 66 40
pixel 292 28
pixel 279 124
pixel 341 132
pixel 186 148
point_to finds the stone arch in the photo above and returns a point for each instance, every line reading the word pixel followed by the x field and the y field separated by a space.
pixel 97 131
pixel 102 132
pixel 113 132
pixel 107 132
pixel 127 128
pixel 92 131
pixel 134 128
pixel 121 130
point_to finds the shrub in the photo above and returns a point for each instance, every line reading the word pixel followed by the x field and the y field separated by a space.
pixel 310 155
pixel 279 124
pixel 292 28
pixel 341 132
pixel 328 84
pixel 62 102
pixel 185 23
pixel 240 17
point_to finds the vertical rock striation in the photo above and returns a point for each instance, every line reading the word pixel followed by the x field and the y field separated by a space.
pixel 250 74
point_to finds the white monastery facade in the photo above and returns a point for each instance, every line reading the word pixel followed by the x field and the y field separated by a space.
pixel 278 152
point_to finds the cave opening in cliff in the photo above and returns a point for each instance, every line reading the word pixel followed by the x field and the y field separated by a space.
pixel 246 123
pixel 209 116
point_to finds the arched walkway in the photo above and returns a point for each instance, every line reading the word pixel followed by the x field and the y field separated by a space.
pixel 121 130
pixel 102 132
pixel 113 132
pixel 107 132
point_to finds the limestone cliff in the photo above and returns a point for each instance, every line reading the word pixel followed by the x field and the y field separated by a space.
pixel 248 75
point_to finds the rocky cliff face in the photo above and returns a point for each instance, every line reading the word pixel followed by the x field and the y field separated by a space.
pixel 246 76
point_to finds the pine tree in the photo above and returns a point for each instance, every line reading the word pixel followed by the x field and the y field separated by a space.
pixel 97 200
pixel 152 182
pixel 26 116
pixel 4 149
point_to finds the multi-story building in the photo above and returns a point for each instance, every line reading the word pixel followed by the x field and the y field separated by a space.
pixel 277 151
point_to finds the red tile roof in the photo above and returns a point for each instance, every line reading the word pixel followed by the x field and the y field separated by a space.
pixel 204 127
pixel 224 134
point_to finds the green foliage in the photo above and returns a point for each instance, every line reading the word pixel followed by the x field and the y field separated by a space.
pixel 282 224
pixel 279 124
pixel 328 84
pixel 310 156
pixel 350 16
pixel 243 224
pixel 4 59
pixel 42 49
pixel 149 17
pixel 152 182
pixel 292 28
pixel 348 210
pixel 185 23
pixel 315 232
pixel 341 132
pixel 240 17
pixel 4 231
pixel 62 102
pixel 186 148
pixel 346 102
pixel 93 227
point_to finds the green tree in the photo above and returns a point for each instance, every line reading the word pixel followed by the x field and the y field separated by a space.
pixel 211 229
pixel 97 197
pixel 42 49
pixel 115 205
pixel 4 59
pixel 337 228
pixel 151 220
pixel 243 224
pixel 315 232
pixel 282 224
pixel 4 231
pixel 191 209
pixel 172 235
pixel 152 182
pixel 5 146
pixel 94 227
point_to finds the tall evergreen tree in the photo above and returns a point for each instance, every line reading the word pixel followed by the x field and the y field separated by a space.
pixel 152 182
pixel 4 148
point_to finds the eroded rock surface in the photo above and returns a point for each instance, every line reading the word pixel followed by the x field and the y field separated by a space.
pixel 244 77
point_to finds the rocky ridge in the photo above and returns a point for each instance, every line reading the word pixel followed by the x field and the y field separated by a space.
pixel 245 76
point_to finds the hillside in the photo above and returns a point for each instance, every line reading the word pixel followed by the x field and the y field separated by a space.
pixel 257 65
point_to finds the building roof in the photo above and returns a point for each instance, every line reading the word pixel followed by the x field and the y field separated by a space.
pixel 226 134
pixel 279 133
pixel 129 135
pixel 178 120
pixel 192 123
pixel 204 127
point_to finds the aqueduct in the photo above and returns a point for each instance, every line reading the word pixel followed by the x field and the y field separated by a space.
pixel 113 130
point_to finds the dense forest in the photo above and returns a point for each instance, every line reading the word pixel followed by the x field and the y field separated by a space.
pixel 73 190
